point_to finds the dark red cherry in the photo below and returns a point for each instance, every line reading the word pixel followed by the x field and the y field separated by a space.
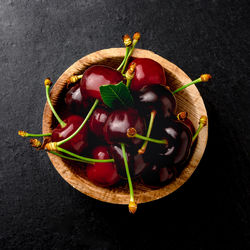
pixel 76 102
pixel 147 71
pixel 156 176
pixel 117 124
pixel 96 76
pixel 79 142
pixel 136 162
pixel 185 143
pixel 97 121
pixel 104 174
pixel 177 150
pixel 156 97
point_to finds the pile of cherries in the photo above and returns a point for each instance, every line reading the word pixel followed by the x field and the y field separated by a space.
pixel 146 141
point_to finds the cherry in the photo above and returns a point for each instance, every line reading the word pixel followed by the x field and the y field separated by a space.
pixel 185 143
pixel 147 71
pixel 79 142
pixel 156 176
pixel 76 102
pixel 119 121
pixel 158 98
pixel 104 174
pixel 98 120
pixel 135 161
pixel 96 76
pixel 177 149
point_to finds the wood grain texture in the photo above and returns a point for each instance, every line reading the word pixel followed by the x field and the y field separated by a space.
pixel 187 100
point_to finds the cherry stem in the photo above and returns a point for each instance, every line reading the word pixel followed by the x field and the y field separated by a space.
pixel 202 123
pixel 130 74
pixel 81 126
pixel 203 78
pixel 163 141
pixel 187 85
pixel 124 59
pixel 131 190
pixel 136 38
pixel 74 79
pixel 128 82
pixel 60 121
pixel 25 134
pixel 131 132
pixel 85 159
pixel 182 116
pixel 67 157
pixel 150 126
pixel 127 57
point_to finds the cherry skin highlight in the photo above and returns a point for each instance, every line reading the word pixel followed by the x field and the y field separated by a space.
pixel 98 120
pixel 147 71
pixel 79 142
pixel 96 76
pixel 177 150
pixel 158 98
pixel 103 174
pixel 117 124
pixel 185 143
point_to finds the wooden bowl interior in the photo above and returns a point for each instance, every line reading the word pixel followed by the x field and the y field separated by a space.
pixel 188 100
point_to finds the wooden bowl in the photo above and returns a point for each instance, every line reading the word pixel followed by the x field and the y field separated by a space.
pixel 187 100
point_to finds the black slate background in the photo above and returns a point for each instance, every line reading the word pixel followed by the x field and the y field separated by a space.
pixel 41 38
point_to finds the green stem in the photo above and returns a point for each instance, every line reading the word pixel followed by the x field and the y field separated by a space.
pixel 131 190
pixel 164 141
pixel 81 126
pixel 67 157
pixel 124 59
pixel 36 135
pixel 60 121
pixel 150 126
pixel 128 83
pixel 197 132
pixel 187 85
pixel 86 159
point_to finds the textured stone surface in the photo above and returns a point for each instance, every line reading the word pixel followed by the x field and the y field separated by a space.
pixel 39 210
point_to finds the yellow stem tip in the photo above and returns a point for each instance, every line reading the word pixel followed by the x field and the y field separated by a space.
pixel 132 207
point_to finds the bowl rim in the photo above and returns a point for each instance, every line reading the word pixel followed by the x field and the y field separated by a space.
pixel 111 195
